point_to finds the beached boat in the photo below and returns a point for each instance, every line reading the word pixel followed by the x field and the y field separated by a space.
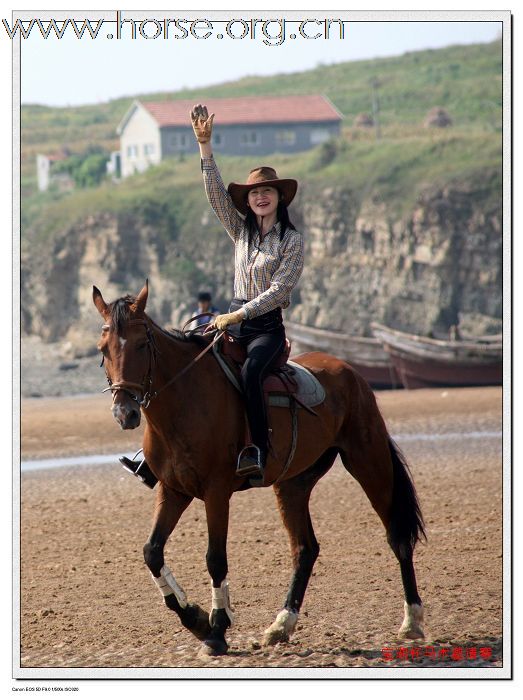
pixel 427 362
pixel 366 355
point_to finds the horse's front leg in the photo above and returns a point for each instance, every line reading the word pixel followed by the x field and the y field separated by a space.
pixel 169 507
pixel 221 618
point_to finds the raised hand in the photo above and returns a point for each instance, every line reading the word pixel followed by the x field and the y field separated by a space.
pixel 202 123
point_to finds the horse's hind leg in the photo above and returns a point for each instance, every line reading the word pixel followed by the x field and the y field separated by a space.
pixel 293 500
pixel 169 507
pixel 405 528
pixel 384 476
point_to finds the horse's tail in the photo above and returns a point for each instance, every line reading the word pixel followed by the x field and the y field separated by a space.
pixel 406 520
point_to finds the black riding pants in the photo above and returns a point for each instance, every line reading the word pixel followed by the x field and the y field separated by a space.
pixel 262 351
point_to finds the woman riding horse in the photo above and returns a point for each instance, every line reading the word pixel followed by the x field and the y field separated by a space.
pixel 348 423
pixel 268 264
pixel 268 255
pixel 187 397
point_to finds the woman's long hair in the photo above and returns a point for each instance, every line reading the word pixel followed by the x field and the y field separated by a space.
pixel 282 215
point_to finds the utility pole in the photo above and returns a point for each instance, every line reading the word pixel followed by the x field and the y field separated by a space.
pixel 376 106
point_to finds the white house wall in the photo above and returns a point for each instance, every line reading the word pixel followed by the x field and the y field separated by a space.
pixel 42 172
pixel 139 143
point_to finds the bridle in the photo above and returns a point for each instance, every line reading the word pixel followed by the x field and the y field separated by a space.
pixel 145 388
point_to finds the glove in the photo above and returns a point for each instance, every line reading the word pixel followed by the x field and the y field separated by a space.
pixel 223 320
pixel 201 123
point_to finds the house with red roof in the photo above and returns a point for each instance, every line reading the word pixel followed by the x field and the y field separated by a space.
pixel 153 131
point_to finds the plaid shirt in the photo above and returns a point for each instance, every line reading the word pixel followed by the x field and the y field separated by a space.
pixel 266 271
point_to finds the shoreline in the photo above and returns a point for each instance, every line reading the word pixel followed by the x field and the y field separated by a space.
pixel 79 461
pixel 83 424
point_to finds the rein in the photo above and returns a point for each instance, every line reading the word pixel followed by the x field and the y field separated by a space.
pixel 146 386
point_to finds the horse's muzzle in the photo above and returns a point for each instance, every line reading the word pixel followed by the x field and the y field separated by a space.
pixel 127 415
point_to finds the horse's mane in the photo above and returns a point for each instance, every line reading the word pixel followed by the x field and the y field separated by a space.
pixel 176 334
pixel 120 311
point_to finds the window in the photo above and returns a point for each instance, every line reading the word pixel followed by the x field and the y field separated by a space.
pixel 286 138
pixel 250 138
pixel 319 136
pixel 178 141
pixel 148 149
pixel 132 151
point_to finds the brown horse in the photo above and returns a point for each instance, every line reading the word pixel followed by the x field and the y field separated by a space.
pixel 195 430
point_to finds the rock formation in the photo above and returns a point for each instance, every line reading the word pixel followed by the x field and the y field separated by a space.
pixel 438 265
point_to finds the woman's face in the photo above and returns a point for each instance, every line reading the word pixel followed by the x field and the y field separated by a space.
pixel 263 200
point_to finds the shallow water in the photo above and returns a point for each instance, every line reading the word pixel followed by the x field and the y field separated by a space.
pixel 78 461
pixel 400 438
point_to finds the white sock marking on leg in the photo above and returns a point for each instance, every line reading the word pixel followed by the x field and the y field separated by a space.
pixel 413 621
pixel 286 619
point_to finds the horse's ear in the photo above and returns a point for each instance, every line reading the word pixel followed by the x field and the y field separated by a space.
pixel 99 302
pixel 141 299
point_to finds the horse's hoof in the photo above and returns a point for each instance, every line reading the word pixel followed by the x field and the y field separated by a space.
pixel 274 636
pixel 413 633
pixel 411 627
pixel 213 647
pixel 281 629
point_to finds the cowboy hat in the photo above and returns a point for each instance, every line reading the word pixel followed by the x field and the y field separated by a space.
pixel 261 176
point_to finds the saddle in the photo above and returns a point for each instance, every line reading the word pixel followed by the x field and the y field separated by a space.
pixel 286 383
pixel 279 380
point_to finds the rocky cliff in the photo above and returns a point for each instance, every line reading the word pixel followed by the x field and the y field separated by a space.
pixel 437 264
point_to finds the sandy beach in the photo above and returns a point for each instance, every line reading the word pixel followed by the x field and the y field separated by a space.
pixel 87 599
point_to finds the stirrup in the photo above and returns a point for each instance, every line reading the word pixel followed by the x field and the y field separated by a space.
pixel 250 463
pixel 139 469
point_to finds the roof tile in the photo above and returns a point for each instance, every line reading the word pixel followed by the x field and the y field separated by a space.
pixel 247 110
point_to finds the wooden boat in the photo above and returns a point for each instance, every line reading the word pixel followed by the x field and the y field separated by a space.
pixel 429 362
pixel 366 355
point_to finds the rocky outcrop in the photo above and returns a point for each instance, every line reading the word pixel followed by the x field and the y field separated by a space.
pixel 438 265
pixel 115 253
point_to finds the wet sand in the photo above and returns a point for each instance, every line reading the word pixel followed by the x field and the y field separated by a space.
pixel 88 601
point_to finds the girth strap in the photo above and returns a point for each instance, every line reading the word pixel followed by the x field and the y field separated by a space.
pixel 294 441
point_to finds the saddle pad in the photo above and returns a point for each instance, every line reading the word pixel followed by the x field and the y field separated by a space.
pixel 310 391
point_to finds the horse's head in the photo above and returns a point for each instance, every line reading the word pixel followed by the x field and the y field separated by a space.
pixel 126 346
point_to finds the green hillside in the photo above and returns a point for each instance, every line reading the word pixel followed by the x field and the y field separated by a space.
pixel 392 171
pixel 465 80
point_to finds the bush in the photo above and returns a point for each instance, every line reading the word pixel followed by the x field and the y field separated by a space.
pixel 87 170
pixel 92 170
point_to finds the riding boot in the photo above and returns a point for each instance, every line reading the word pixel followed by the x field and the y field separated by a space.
pixel 140 469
